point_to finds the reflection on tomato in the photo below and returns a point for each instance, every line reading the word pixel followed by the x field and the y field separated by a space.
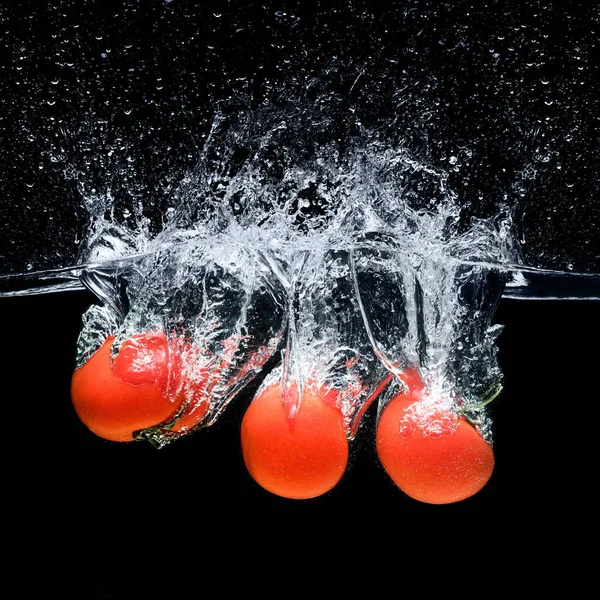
pixel 140 389
pixel 201 378
pixel 295 454
pixel 434 456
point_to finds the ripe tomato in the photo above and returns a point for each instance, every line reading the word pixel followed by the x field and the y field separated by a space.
pixel 199 384
pixel 140 389
pixel 192 415
pixel 299 456
pixel 206 377
pixel 432 455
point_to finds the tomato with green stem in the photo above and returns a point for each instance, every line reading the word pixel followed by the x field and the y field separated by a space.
pixel 431 452
pixel 140 387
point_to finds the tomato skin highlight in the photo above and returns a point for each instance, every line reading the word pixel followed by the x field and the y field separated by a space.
pixel 297 458
pixel 114 401
pixel 443 468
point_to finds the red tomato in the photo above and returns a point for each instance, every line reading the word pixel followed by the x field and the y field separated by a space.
pixel 202 376
pixel 436 457
pixel 137 391
pixel 300 456
pixel 192 416
pixel 198 392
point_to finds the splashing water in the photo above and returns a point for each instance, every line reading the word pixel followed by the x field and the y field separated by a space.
pixel 367 272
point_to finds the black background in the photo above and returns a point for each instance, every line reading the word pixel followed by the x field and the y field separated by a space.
pixel 94 509
pixel 110 517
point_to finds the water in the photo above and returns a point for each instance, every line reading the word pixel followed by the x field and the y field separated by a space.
pixel 337 261
pixel 359 193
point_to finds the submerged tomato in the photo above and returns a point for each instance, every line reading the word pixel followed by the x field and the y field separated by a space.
pixel 433 456
pixel 297 456
pixel 138 390
pixel 206 378
pixel 199 385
